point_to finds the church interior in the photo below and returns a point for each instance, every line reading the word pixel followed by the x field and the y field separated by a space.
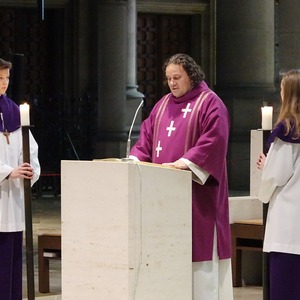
pixel 84 66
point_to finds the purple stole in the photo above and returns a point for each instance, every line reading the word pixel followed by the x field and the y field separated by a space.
pixel 191 134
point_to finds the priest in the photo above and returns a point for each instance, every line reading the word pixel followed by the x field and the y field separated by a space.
pixel 12 172
pixel 188 129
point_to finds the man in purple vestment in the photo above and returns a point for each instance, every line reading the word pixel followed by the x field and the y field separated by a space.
pixel 189 129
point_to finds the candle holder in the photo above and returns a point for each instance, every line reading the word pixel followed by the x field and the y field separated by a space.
pixel 28 217
pixel 265 256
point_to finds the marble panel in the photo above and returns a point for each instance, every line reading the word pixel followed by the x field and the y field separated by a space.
pixel 129 224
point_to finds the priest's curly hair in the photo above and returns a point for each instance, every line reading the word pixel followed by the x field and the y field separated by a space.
pixel 192 69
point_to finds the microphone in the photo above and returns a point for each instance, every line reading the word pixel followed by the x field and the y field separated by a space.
pixel 129 134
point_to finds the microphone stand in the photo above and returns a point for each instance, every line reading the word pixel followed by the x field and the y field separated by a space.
pixel 128 146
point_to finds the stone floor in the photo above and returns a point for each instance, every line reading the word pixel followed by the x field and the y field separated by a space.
pixel 46 218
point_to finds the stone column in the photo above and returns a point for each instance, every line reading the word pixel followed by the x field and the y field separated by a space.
pixel 112 73
pixel 134 97
pixel 131 45
pixel 289 54
pixel 245 43
pixel 245 74
pixel 117 89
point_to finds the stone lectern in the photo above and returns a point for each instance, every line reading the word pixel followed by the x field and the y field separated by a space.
pixel 126 231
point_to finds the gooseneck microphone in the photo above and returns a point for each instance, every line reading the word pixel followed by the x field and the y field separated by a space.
pixel 129 134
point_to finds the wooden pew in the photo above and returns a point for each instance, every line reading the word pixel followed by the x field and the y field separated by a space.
pixel 49 247
pixel 246 235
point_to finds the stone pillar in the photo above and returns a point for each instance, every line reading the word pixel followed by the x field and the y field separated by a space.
pixel 112 41
pixel 117 89
pixel 134 97
pixel 289 54
pixel 131 45
pixel 245 43
pixel 245 75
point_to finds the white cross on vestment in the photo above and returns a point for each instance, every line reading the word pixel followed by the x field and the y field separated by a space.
pixel 171 128
pixel 158 149
pixel 186 110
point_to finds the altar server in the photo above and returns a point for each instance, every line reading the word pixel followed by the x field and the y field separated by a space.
pixel 12 172
pixel 280 187
pixel 188 129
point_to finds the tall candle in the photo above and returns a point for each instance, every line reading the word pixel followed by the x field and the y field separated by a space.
pixel 24 112
pixel 267 117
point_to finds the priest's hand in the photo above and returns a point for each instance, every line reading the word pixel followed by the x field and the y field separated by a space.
pixel 178 164
pixel 261 161
pixel 23 171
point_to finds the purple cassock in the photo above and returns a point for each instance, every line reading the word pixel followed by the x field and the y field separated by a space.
pixel 10 114
pixel 195 127
pixel 10 241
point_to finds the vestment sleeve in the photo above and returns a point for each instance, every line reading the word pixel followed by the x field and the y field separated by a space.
pixel 198 175
pixel 34 161
pixel 277 170
pixel 209 151
pixel 5 170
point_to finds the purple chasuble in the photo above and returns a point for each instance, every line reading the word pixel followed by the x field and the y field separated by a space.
pixel 10 120
pixel 196 127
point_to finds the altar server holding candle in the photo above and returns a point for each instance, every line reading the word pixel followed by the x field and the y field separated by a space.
pixel 280 187
pixel 12 172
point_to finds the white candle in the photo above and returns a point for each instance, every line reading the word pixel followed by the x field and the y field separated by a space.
pixel 267 117
pixel 24 112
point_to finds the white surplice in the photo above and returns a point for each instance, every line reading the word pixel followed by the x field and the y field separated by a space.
pixel 12 216
pixel 280 187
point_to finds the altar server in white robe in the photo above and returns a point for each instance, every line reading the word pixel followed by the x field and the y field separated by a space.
pixel 280 187
pixel 12 172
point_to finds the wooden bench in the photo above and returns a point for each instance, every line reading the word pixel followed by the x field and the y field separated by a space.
pixel 49 247
pixel 246 235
